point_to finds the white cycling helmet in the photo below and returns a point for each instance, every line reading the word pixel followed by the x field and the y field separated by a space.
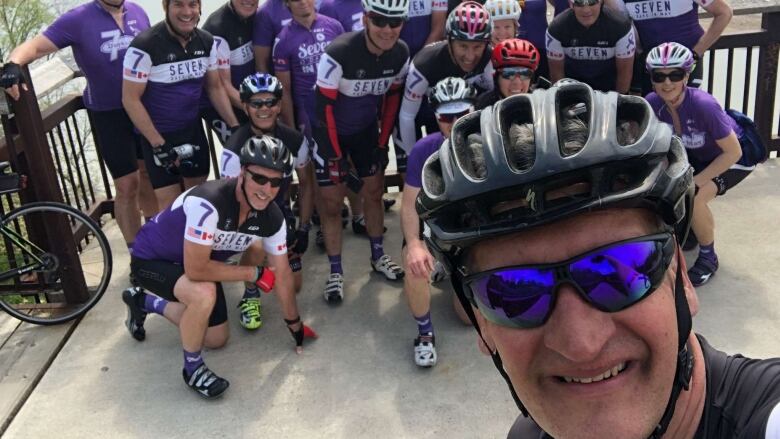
pixel 670 56
pixel 503 9
pixel 387 8
pixel 452 95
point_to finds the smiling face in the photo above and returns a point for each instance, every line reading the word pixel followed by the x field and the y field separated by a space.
pixel 668 90
pixel 467 54
pixel 383 37
pixel 245 8
pixel 516 85
pixel 300 9
pixel 263 118
pixel 586 15
pixel 503 30
pixel 258 195
pixel 586 373
pixel 183 15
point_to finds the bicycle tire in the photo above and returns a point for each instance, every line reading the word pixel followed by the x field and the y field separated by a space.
pixel 47 311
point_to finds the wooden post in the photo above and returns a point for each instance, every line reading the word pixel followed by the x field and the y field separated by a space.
pixel 767 78
pixel 42 178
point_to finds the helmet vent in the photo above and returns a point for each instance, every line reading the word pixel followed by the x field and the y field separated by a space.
pixel 469 147
pixel 574 114
pixel 433 181
pixel 517 131
pixel 633 115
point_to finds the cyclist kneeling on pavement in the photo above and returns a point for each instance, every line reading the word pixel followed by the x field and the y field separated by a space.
pixel 179 258
pixel 261 95
pixel 450 99
pixel 565 254
pixel 711 139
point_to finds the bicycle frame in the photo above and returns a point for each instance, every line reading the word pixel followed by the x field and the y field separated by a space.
pixel 25 246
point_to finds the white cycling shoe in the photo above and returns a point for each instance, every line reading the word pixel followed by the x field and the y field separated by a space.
pixel 386 266
pixel 425 350
pixel 334 288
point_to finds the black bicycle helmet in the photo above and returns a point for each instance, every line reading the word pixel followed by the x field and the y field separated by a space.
pixel 259 83
pixel 503 170
pixel 268 152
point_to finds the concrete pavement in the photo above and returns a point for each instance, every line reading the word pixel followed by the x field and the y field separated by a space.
pixel 358 379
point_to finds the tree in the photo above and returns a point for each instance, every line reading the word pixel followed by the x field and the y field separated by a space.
pixel 20 20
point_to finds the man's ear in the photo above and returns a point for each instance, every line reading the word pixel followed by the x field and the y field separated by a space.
pixel 690 290
pixel 485 343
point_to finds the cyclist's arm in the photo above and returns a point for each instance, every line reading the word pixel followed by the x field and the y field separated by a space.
pixel 305 175
pixel 215 88
pixel 275 247
pixel 137 67
pixel 624 61
pixel 438 17
pixel 390 104
pixel 223 58
pixel 555 58
pixel 229 163
pixel 199 267
pixel 27 52
pixel 732 152
pixel 414 92
pixel 263 38
pixel 722 14
pixel 282 72
pixel 329 73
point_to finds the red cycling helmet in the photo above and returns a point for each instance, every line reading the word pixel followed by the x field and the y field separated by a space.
pixel 515 52
pixel 469 21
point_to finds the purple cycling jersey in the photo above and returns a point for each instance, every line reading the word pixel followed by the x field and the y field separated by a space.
pixel 298 51
pixel 560 6
pixel 417 28
pixel 347 12
pixel 659 21
pixel 423 149
pixel 533 22
pixel 269 21
pixel 98 48
pixel 702 120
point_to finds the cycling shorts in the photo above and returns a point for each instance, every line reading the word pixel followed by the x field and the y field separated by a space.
pixel 119 143
pixel 200 160
pixel 359 151
pixel 727 180
pixel 218 126
pixel 160 277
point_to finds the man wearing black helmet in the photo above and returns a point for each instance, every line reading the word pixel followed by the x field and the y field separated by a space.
pixel 573 274
pixel 179 257
pixel 166 70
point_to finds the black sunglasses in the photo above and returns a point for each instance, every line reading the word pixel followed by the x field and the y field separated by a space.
pixel 585 2
pixel 382 21
pixel 611 278
pixel 262 179
pixel 675 76
pixel 511 72
pixel 259 103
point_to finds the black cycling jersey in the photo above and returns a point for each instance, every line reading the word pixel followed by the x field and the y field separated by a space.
pixel 432 64
pixel 742 401
pixel 236 32
pixel 589 53
pixel 351 82
pixel 208 214
pixel 293 140
pixel 174 75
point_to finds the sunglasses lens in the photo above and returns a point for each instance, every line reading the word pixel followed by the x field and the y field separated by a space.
pixel 620 276
pixel 520 298
pixel 380 21
pixel 260 103
pixel 510 73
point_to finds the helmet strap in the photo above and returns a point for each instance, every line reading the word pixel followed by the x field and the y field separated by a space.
pixel 246 197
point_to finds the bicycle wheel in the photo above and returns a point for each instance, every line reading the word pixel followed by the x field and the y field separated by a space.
pixel 41 281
